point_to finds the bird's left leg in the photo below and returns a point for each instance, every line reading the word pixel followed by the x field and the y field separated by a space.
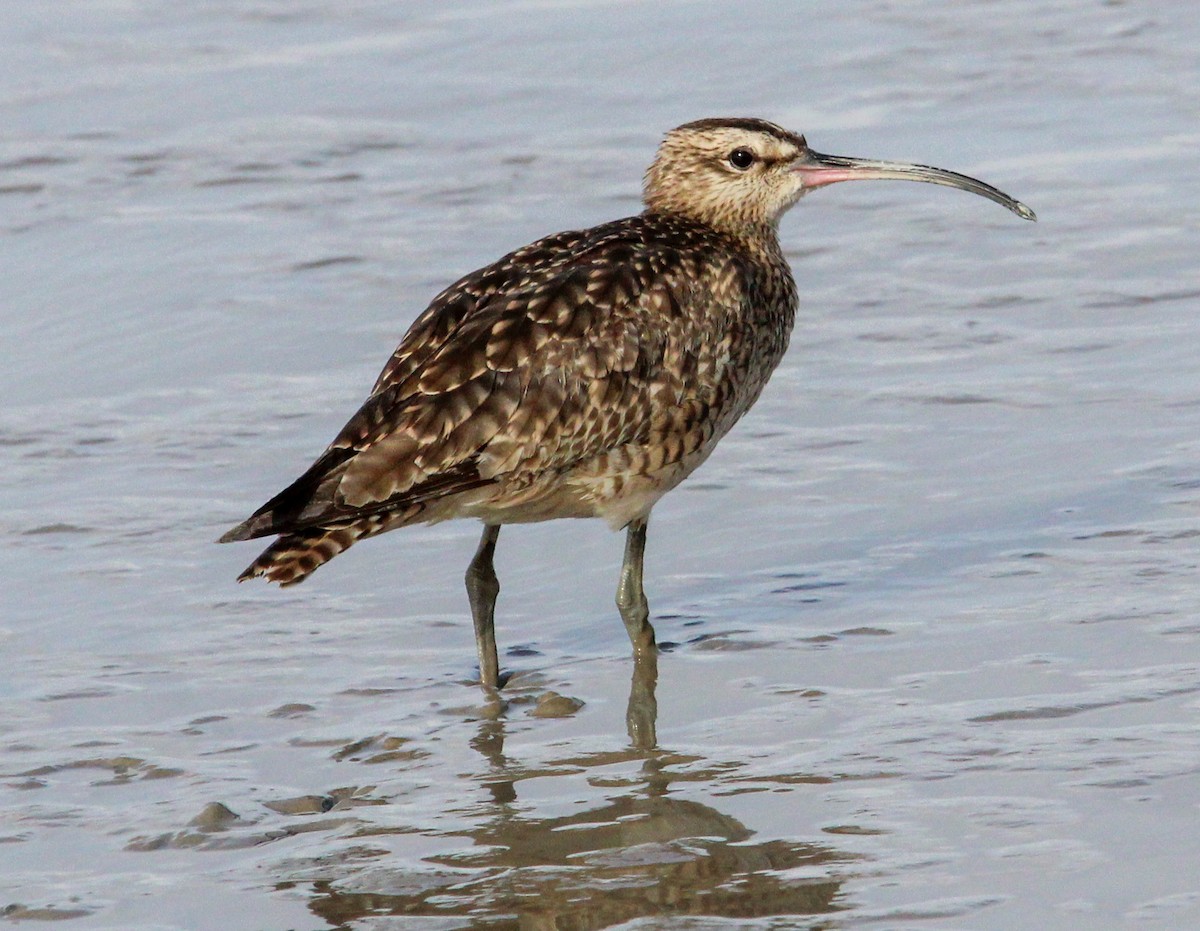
pixel 641 714
pixel 631 598
pixel 482 589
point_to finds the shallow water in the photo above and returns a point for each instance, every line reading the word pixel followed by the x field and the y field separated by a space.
pixel 936 626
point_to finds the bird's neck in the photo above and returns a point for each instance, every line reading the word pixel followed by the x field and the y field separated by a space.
pixel 758 237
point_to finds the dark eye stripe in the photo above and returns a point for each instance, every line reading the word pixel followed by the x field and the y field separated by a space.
pixel 743 158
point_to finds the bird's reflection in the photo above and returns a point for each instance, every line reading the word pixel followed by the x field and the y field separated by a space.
pixel 642 851
pixel 641 714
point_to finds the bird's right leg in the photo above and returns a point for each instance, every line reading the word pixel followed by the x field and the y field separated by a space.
pixel 482 589
pixel 631 597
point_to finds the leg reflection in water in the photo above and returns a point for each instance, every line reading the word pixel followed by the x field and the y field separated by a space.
pixel 584 839
pixel 641 714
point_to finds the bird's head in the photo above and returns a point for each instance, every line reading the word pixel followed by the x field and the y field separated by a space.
pixel 735 174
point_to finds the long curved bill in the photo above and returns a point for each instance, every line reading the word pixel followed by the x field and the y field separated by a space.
pixel 818 170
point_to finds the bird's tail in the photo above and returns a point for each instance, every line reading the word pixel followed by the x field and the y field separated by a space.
pixel 295 556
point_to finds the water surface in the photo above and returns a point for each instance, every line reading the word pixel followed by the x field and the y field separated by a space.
pixel 937 631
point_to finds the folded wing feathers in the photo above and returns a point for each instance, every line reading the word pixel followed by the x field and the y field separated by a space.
pixel 518 382
pixel 528 365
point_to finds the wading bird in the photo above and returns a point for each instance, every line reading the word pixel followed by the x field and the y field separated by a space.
pixel 584 375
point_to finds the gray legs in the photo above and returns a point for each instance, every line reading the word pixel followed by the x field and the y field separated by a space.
pixel 631 599
pixel 482 589
pixel 642 711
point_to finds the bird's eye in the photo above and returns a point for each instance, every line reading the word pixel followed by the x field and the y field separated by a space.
pixel 741 159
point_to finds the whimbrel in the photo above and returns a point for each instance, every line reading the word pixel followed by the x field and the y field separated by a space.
pixel 584 375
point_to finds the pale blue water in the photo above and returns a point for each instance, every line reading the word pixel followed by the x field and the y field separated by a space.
pixel 936 596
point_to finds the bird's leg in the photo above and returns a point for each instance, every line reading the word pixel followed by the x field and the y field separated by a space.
pixel 631 599
pixel 482 589
pixel 641 714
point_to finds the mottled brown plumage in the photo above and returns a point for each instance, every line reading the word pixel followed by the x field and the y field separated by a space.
pixel 584 375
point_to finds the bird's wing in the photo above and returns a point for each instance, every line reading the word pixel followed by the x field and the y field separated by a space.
pixel 461 300
pixel 535 363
